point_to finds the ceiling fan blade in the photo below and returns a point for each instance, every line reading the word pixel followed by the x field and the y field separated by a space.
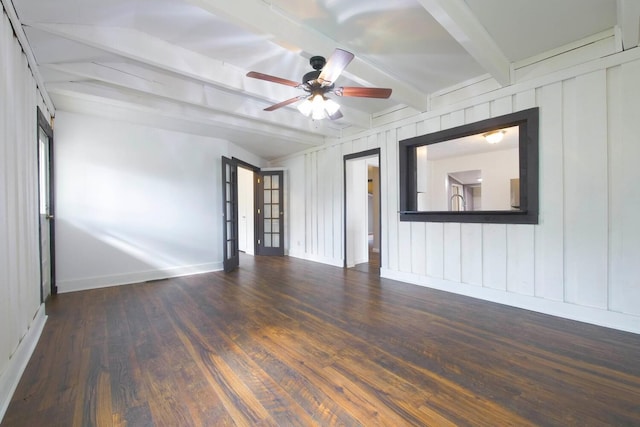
pixel 363 92
pixel 284 103
pixel 267 77
pixel 334 66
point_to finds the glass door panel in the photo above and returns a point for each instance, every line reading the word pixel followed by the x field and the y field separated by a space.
pixel 231 258
pixel 271 240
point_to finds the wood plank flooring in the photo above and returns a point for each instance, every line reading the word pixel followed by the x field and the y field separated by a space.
pixel 286 342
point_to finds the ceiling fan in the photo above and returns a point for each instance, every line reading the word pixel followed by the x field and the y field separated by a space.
pixel 318 83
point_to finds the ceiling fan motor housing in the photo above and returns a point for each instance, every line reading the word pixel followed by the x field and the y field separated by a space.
pixel 317 62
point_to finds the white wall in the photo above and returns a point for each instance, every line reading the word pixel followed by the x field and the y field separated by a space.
pixel 135 203
pixel 579 262
pixel 21 313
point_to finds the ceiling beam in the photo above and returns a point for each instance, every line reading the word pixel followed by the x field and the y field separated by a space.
pixel 629 22
pixel 149 50
pixel 113 97
pixel 135 78
pixel 458 20
pixel 266 20
pixel 157 53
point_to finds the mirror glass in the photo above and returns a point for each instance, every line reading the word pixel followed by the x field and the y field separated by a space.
pixel 472 173
pixel 485 171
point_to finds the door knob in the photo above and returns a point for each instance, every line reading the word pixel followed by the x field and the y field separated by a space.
pixel 48 216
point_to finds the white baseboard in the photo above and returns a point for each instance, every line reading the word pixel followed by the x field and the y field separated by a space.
pixel 136 277
pixel 18 362
pixel 593 315
pixel 316 258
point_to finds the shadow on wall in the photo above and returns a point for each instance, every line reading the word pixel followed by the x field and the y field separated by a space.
pixel 90 256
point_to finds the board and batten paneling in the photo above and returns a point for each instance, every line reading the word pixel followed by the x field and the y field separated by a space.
pixel 390 202
pixel 21 312
pixel 585 189
pixel 295 207
pixel 624 191
pixel 549 236
pixel 580 261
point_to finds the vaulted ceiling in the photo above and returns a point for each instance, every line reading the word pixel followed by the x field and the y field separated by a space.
pixel 182 64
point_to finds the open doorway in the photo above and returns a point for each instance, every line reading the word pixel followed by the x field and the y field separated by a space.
pixel 362 201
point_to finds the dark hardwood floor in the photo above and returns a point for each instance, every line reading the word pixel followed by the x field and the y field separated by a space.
pixel 288 342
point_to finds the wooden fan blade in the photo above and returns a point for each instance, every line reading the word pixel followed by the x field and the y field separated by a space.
pixel 364 92
pixel 284 103
pixel 335 65
pixel 267 77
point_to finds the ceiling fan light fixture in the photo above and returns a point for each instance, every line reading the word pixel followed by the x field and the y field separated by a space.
pixel 318 107
pixel 305 107
pixel 331 106
pixel 494 137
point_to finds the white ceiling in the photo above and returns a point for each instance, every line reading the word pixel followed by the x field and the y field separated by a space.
pixel 181 64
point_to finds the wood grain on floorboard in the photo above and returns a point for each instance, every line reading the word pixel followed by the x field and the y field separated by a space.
pixel 284 342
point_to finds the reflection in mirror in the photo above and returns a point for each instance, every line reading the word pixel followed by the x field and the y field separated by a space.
pixel 468 173
pixel 481 172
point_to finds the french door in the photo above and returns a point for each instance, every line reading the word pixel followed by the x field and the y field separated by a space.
pixel 231 257
pixel 270 213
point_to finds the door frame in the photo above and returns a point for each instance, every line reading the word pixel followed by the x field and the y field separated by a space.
pixel 362 154
pixel 43 123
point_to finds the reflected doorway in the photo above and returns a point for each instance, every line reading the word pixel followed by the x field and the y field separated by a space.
pixel 362 201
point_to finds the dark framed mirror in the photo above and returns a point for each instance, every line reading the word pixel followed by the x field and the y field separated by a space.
pixel 483 172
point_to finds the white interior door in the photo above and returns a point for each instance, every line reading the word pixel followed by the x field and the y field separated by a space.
pixel 246 225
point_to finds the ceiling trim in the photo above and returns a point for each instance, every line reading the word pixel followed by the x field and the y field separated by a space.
pixel 458 20
pixel 263 18
pixel 629 22
pixel 28 52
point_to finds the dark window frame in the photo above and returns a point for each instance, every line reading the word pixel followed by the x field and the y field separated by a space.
pixel 528 123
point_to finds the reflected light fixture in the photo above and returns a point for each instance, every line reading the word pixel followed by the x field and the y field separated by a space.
pixel 318 107
pixel 494 137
